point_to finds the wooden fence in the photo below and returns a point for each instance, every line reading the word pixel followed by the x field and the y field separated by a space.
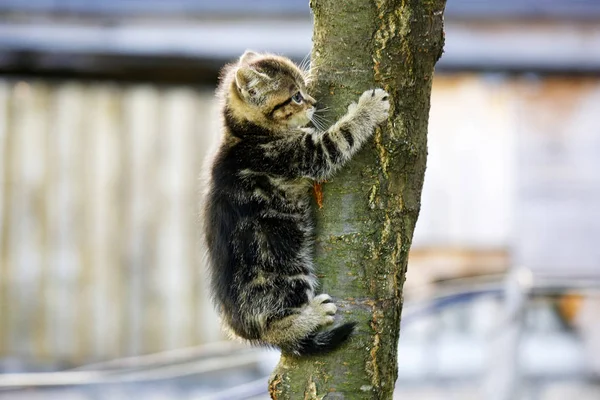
pixel 99 252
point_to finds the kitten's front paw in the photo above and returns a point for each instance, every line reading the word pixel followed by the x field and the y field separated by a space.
pixel 376 103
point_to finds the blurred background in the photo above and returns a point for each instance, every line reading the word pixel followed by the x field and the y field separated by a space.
pixel 107 110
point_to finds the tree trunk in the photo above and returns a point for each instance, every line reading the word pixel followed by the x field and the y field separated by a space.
pixel 369 211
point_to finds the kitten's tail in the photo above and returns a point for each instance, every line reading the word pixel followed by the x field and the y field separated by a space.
pixel 321 341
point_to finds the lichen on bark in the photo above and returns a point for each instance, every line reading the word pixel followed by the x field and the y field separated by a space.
pixel 365 227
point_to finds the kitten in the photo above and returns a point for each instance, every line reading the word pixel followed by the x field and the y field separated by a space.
pixel 258 221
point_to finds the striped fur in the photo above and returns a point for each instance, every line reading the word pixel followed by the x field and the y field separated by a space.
pixel 258 222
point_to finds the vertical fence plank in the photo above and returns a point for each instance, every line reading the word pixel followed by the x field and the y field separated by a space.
pixel 102 220
pixel 65 210
pixel 45 166
pixel 27 231
pixel 174 242
pixel 141 106
pixel 85 282
pixel 5 220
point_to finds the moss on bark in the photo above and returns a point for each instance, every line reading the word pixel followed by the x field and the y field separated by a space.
pixel 370 208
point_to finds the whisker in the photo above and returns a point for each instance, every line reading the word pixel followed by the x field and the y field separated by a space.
pixel 320 122
pixel 320 117
pixel 307 57
pixel 313 68
pixel 305 63
pixel 317 124
pixel 312 71
pixel 314 121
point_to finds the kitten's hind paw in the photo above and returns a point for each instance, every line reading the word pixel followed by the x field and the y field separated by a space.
pixel 324 307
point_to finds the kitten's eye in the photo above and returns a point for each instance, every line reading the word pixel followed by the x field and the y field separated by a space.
pixel 297 98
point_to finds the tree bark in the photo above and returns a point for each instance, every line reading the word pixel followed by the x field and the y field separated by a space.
pixel 370 208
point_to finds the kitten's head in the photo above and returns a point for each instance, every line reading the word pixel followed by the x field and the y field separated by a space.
pixel 271 90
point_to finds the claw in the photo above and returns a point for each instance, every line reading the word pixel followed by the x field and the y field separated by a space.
pixel 373 93
pixel 384 98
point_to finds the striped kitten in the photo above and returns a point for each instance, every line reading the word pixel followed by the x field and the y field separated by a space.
pixel 258 222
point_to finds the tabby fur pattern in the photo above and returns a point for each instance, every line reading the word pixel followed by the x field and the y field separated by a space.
pixel 257 213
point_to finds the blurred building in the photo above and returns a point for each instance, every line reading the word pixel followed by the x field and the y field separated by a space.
pixel 106 111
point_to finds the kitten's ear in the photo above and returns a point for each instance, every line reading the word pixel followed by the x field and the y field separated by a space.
pixel 246 78
pixel 247 57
